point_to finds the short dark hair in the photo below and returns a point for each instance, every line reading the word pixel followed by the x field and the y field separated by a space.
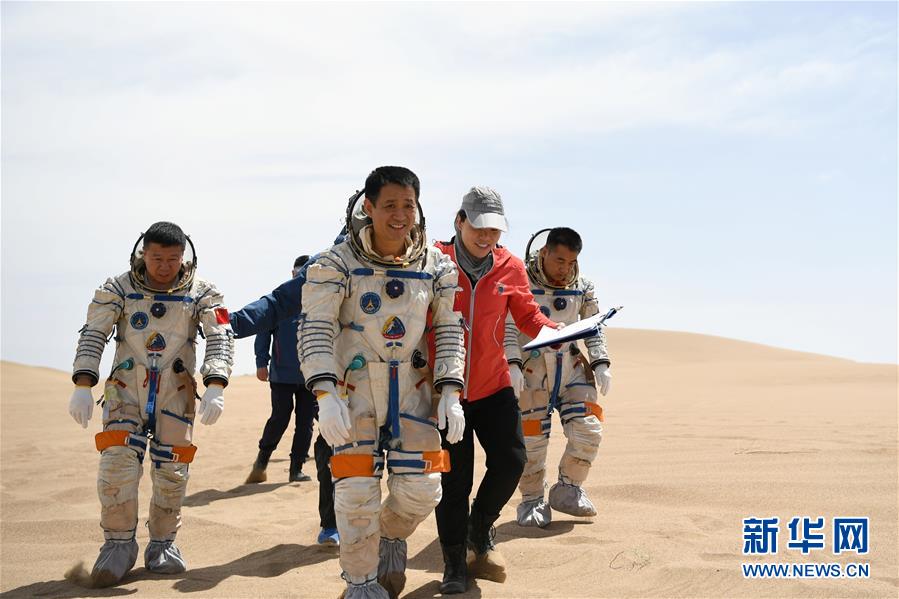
pixel 165 234
pixel 300 261
pixel 384 175
pixel 564 236
pixel 461 215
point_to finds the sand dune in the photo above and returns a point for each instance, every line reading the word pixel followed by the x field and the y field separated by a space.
pixel 700 432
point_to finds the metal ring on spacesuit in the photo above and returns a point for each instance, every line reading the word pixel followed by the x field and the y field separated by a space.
pixel 126 364
pixel 560 303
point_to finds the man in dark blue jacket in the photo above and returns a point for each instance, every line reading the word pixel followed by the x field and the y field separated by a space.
pixel 264 315
pixel 281 368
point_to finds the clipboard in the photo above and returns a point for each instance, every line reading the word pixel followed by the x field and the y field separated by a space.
pixel 582 329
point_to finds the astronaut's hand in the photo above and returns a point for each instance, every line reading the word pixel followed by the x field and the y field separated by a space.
pixel 603 378
pixel 517 379
pixel 212 404
pixel 450 415
pixel 333 414
pixel 81 405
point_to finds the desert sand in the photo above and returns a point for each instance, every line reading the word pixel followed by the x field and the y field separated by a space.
pixel 700 433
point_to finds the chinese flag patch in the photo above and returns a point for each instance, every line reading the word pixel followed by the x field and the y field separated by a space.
pixel 221 316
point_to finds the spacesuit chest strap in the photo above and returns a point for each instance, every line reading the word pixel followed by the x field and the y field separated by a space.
pixel 394 273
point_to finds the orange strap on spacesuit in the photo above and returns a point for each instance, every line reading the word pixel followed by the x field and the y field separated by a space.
pixel 167 453
pixel 111 439
pixel 595 409
pixel 532 428
pixel 437 461
pixel 346 465
pixel 183 454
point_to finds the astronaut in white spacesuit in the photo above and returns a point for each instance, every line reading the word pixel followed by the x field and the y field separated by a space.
pixel 558 379
pixel 367 304
pixel 156 309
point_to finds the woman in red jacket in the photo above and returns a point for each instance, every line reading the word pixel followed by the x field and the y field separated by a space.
pixel 494 283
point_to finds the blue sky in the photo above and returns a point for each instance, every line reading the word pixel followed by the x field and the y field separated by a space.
pixel 732 167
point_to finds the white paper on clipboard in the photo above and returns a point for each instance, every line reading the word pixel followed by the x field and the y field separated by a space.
pixel 581 329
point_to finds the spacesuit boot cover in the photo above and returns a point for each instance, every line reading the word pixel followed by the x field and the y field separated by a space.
pixel 164 557
pixel 151 389
pixel 556 380
pixel 363 330
pixel 117 557
pixel 392 566
pixel 363 587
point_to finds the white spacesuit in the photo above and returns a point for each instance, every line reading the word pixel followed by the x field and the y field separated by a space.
pixel 558 379
pixel 362 348
pixel 148 404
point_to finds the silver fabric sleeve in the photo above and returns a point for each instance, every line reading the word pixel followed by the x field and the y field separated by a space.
pixel 102 314
pixel 323 293
pixel 449 350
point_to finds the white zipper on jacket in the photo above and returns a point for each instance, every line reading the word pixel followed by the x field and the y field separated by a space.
pixel 471 324
pixel 468 349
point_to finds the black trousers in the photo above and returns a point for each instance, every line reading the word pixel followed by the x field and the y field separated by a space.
pixel 306 409
pixel 496 420
pixel 323 455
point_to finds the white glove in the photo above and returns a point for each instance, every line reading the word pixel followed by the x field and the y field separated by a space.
pixel 333 414
pixel 212 404
pixel 603 377
pixel 81 405
pixel 450 415
pixel 517 379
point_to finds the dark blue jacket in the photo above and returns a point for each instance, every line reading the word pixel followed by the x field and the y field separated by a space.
pixel 283 364
pixel 266 313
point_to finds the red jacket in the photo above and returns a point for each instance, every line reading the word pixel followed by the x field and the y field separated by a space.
pixel 505 288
